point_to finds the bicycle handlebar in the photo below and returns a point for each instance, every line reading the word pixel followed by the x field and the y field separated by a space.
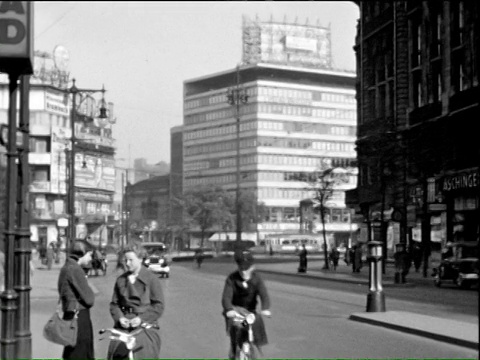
pixel 125 332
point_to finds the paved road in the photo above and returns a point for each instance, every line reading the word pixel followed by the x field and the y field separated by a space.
pixel 308 321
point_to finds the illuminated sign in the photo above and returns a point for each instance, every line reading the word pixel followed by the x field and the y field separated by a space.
pixel 16 37
pixel 286 44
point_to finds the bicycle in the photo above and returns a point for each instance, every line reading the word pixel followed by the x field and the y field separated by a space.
pixel 245 349
pixel 127 337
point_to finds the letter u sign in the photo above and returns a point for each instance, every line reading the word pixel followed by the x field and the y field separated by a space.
pixel 16 37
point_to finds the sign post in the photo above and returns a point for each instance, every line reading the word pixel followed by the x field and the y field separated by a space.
pixel 16 54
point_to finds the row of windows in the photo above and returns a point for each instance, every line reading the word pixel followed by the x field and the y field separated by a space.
pixel 284 93
pixel 57 206
pixel 266 108
pixel 271 142
pixel 274 176
pixel 278 193
pixel 427 31
pixel 288 126
pixel 318 162
pixel 292 215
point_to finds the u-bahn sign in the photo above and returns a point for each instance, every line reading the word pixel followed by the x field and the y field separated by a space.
pixel 16 37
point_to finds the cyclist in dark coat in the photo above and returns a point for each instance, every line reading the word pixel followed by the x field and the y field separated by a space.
pixel 242 288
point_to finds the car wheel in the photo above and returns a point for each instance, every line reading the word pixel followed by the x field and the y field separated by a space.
pixel 461 283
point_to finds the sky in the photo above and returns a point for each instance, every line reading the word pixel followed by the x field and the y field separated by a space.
pixel 142 52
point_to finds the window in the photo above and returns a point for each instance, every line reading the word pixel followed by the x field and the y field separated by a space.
pixel 41 173
pixel 40 144
pixel 91 208
pixel 417 89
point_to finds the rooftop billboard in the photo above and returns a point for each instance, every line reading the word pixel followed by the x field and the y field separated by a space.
pixel 286 44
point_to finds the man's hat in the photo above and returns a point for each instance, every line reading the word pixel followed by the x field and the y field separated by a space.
pixel 244 259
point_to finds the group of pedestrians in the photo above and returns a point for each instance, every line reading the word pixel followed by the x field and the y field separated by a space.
pixel 353 256
pixel 137 299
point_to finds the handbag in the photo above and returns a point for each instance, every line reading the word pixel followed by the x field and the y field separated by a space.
pixel 60 331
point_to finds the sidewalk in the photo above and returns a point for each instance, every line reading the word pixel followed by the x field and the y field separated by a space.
pixel 446 330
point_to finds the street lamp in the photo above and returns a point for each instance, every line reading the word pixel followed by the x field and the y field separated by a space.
pixel 235 97
pixel 375 297
pixel 71 179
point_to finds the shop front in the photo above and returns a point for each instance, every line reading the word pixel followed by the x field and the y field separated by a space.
pixel 461 194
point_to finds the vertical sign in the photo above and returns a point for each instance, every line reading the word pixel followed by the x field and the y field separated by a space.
pixel 16 37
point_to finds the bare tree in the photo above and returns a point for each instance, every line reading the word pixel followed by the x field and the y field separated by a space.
pixel 323 182
pixel 205 207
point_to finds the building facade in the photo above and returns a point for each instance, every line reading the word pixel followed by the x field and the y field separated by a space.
pixel 50 144
pixel 418 95
pixel 296 120
pixel 148 205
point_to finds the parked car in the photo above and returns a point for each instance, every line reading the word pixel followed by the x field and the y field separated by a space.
pixel 459 264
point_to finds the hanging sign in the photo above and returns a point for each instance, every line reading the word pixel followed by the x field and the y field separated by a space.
pixel 16 37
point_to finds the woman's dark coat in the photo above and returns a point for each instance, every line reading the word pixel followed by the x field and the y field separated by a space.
pixel 76 295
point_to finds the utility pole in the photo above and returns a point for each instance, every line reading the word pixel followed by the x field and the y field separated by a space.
pixel 23 250
pixel 71 179
pixel 125 211
pixel 236 97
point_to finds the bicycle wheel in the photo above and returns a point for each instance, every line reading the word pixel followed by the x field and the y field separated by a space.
pixel 246 352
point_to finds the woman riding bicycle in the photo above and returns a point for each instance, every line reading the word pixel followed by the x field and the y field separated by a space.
pixel 137 299
pixel 242 288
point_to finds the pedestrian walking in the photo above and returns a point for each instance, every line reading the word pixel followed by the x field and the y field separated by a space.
pixel 77 298
pixel 417 254
pixel 198 257
pixel 50 255
pixel 356 258
pixel 403 262
pixel 334 257
pixel 302 266
pixel 137 298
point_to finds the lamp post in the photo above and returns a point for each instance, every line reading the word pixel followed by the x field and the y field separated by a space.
pixel 235 97
pixel 71 179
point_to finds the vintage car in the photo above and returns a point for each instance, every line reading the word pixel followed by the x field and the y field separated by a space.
pixel 156 260
pixel 459 264
pixel 158 265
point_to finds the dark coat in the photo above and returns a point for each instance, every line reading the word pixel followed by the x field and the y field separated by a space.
pixel 302 266
pixel 76 294
pixel 236 294
pixel 73 288
pixel 144 299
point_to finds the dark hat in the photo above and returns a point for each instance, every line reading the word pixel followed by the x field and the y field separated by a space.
pixel 244 259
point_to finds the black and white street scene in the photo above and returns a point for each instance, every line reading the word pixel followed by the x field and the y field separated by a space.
pixel 239 180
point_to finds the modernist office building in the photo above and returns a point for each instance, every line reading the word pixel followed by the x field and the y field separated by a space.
pixel 299 117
